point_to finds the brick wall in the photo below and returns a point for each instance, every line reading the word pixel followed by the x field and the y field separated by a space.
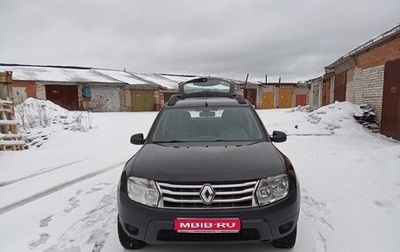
pixel 30 87
pixel 158 97
pixel 377 56
pixel 125 100
pixel 350 86
pixel 365 80
pixel 368 87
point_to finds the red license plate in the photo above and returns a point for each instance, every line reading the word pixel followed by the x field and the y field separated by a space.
pixel 214 225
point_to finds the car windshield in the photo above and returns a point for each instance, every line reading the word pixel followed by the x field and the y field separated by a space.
pixel 207 124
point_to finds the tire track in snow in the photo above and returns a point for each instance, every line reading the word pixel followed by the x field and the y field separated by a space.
pixel 91 231
pixel 57 188
pixel 5 183
pixel 320 244
pixel 318 212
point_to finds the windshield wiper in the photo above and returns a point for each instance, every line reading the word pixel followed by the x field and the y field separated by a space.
pixel 250 142
pixel 169 141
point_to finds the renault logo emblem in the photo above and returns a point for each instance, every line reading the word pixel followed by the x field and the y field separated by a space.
pixel 207 194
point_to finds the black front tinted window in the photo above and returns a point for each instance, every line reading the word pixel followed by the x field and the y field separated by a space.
pixel 207 124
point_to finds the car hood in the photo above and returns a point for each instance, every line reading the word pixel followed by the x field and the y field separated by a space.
pixel 206 163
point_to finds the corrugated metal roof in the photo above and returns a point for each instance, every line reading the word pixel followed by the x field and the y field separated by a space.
pixel 157 79
pixel 56 74
pixel 93 75
pixel 124 77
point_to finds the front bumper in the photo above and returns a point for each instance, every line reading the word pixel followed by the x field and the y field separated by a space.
pixel 258 224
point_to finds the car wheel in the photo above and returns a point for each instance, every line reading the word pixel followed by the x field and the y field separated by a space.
pixel 127 241
pixel 287 241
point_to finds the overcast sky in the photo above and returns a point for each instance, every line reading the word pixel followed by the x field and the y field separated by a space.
pixel 292 39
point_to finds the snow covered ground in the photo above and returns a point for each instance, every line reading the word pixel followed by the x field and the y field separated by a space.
pixel 60 195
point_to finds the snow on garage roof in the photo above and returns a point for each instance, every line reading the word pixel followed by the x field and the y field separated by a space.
pixel 78 74
pixel 57 74
pixel 157 79
pixel 124 77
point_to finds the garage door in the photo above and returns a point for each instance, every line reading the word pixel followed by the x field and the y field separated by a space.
pixel 285 98
pixel 105 99
pixel 339 93
pixel 142 100
pixel 301 100
pixel 268 100
pixel 390 123
pixel 64 95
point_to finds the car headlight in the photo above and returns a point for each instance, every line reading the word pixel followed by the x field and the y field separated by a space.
pixel 143 191
pixel 272 189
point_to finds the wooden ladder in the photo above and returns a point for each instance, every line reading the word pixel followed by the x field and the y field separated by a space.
pixel 10 139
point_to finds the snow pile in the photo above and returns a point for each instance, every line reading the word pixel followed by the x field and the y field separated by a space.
pixel 339 115
pixel 327 120
pixel 37 119
pixel 301 108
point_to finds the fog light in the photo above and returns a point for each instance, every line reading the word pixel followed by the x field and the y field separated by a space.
pixel 285 228
pixel 132 230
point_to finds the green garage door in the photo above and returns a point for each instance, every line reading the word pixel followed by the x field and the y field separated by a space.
pixel 142 100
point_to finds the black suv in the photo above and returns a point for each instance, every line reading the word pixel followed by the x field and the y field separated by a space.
pixel 208 172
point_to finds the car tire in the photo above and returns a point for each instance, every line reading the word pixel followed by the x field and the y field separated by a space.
pixel 287 241
pixel 127 241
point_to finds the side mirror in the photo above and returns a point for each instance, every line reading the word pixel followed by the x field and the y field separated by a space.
pixel 278 136
pixel 137 139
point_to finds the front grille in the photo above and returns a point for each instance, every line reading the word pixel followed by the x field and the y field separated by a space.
pixel 243 235
pixel 227 195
